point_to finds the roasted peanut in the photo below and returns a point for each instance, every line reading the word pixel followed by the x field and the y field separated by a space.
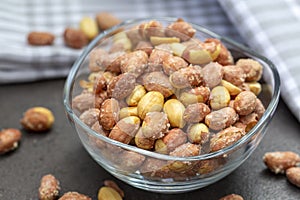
pixel 187 77
pixel 131 161
pixel 37 119
pixel 232 89
pixel 156 59
pixel 152 165
pixel 151 28
pixel 160 147
pixel 136 95
pixel 195 112
pixel 224 58
pixel 9 139
pixel 293 175
pixel 219 98
pixel 128 111
pixel 245 103
pixel 249 121
pixel 198 133
pixel 89 27
pixel 180 29
pixel 107 192
pixel 144 46
pixel 173 63
pixel 232 197
pixel 121 86
pixel 75 38
pixel 212 74
pixel 74 195
pixel 109 113
pixel 194 95
pixel 174 110
pixel 155 125
pixel 280 161
pixel 134 62
pixel 40 38
pixel 174 138
pixel 221 119
pixel 90 116
pixel 83 101
pixel 234 74
pixel 150 102
pixel 259 108
pixel 121 42
pixel 158 81
pixel 112 184
pixel 225 138
pixel 106 20
pixel 125 129
pixel 252 69
pixel 49 188
pixel 143 142
pixel 155 40
pixel 254 87
pixel 184 150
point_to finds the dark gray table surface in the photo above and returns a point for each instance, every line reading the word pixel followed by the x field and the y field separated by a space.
pixel 60 153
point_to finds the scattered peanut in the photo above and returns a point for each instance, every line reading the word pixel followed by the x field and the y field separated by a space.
pixel 293 175
pixel 74 196
pixel 75 38
pixel 280 161
pixel 89 27
pixel 37 119
pixel 49 188
pixel 40 38
pixel 232 197
pixel 108 193
pixel 9 139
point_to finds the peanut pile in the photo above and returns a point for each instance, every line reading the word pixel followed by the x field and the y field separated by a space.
pixel 161 89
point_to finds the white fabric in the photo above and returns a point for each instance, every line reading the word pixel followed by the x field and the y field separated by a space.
pixel 272 28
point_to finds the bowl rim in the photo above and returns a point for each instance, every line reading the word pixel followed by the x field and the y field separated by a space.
pixel 267 116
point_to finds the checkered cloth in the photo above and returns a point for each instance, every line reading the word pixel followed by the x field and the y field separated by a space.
pixel 270 27
pixel 20 62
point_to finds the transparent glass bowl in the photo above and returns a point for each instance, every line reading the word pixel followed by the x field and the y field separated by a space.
pixel 124 161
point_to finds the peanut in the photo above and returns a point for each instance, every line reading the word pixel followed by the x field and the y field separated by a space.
pixel 155 125
pixel 212 74
pixel 49 188
pixel 90 116
pixel 75 38
pixel 221 119
pixel 232 197
pixel 187 77
pixel 106 20
pixel 225 138
pixel 136 95
pixel 293 175
pixel 74 195
pixel 252 69
pixel 37 119
pixel 9 139
pixel 174 138
pixel 180 29
pixel 219 98
pixel 109 113
pixel 198 133
pixel 40 38
pixel 125 129
pixel 150 102
pixel 245 103
pixel 89 27
pixel 280 161
pixel 195 112
pixel 175 110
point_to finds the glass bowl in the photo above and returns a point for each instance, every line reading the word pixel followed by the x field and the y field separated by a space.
pixel 154 171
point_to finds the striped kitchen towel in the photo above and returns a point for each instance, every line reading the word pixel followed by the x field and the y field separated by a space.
pixel 272 28
pixel 20 62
